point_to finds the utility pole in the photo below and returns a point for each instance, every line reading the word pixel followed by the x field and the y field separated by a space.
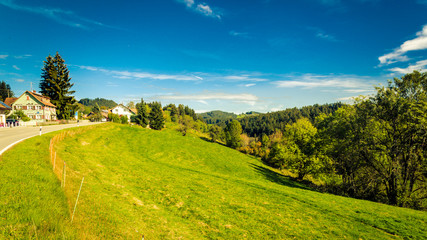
pixel 31 83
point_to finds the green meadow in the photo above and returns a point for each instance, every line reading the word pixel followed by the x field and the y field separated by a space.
pixel 162 185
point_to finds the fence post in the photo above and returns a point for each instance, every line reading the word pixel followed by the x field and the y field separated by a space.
pixel 75 206
pixel 64 173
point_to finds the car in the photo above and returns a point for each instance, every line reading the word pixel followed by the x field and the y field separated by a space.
pixel 12 122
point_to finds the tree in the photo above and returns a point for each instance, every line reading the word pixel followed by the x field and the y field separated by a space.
pixel 124 119
pixel 131 105
pixel 56 85
pixel 379 145
pixel 395 133
pixel 174 112
pixel 215 132
pixel 142 115
pixel 156 116
pixel 5 91
pixel 20 115
pixel 232 134
pixel 299 152
pixel 115 118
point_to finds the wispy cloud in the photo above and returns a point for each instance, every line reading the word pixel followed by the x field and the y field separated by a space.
pixel 398 55
pixel 61 16
pixel 3 56
pixel 201 8
pixel 245 77
pixel 16 67
pixel 249 99
pixel 250 85
pixel 420 66
pixel 141 75
pixel 319 33
pixel 23 56
pixel 20 80
pixel 345 82
pixel 239 34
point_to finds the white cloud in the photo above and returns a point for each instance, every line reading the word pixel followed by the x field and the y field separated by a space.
pixel 250 85
pixel 20 80
pixel 353 83
pixel 3 56
pixel 16 67
pixel 418 43
pixel 347 98
pixel 201 8
pixel 142 75
pixel 59 15
pixel 249 99
pixel 420 66
pixel 189 3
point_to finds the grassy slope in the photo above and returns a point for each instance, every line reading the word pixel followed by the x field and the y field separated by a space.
pixel 163 185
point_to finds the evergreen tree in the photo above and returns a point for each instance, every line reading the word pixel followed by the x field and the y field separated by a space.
pixel 174 112
pixel 142 115
pixel 56 85
pixel 232 134
pixel 156 116
pixel 5 91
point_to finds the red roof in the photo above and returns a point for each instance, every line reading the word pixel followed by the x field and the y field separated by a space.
pixel 42 99
pixel 10 101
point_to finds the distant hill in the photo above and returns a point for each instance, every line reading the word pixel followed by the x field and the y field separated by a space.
pixel 101 102
pixel 267 123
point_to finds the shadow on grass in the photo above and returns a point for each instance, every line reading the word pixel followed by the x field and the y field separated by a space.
pixel 210 140
pixel 279 178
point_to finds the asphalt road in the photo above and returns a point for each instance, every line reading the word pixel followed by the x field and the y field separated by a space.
pixel 9 136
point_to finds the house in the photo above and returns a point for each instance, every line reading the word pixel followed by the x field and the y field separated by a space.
pixel 3 109
pixel 122 110
pixel 36 106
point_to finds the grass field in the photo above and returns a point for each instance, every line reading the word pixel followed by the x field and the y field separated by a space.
pixel 161 185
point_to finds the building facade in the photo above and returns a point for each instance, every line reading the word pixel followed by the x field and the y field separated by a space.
pixel 121 110
pixel 4 108
pixel 36 106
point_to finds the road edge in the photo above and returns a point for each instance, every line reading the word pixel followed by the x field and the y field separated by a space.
pixel 12 144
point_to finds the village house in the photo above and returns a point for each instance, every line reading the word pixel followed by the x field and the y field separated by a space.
pixel 122 110
pixel 3 109
pixel 36 106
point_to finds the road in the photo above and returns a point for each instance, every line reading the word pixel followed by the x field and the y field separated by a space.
pixel 9 136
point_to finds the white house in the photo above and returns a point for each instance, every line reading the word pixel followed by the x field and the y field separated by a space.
pixel 122 110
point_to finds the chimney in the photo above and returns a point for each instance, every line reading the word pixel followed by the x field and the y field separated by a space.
pixel 34 91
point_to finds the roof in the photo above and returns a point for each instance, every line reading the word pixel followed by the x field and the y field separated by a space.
pixel 42 99
pixel 10 101
pixel 4 106
pixel 131 110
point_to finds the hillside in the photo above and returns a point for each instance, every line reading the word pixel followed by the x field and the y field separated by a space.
pixel 217 117
pixel 161 185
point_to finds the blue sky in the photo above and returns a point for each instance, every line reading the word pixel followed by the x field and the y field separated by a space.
pixel 236 56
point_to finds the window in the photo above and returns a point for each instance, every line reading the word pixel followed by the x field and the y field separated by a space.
pixel 28 97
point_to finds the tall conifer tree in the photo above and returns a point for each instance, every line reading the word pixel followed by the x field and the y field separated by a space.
pixel 142 115
pixel 56 85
